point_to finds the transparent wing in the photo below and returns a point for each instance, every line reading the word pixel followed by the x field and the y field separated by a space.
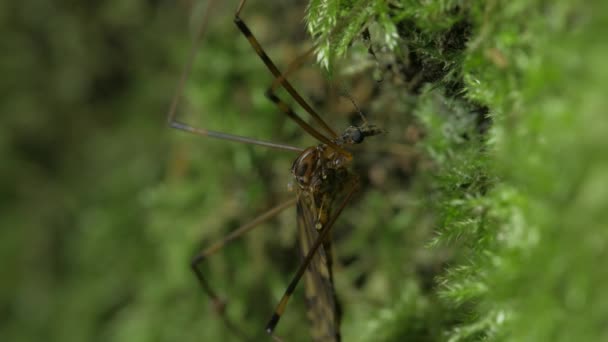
pixel 323 306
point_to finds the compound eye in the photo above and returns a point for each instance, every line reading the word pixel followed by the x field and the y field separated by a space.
pixel 356 136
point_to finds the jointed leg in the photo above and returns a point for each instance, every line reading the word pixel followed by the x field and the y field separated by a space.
pixel 172 115
pixel 283 81
pixel 292 67
pixel 297 63
pixel 275 71
pixel 302 268
pixel 218 304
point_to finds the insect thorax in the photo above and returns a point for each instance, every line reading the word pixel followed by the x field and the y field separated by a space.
pixel 320 174
pixel 321 166
pixel 318 167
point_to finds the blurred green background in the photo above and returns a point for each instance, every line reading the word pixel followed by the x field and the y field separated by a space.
pixel 482 212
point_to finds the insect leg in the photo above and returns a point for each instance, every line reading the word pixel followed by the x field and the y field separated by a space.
pixel 172 115
pixel 275 71
pixel 302 268
pixel 291 68
pixel 283 81
pixel 219 305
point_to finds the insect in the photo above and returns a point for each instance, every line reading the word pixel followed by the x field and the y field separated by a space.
pixel 323 186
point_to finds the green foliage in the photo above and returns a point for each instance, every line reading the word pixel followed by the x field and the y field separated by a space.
pixel 508 201
pixel 517 204
pixel 482 212
pixel 334 24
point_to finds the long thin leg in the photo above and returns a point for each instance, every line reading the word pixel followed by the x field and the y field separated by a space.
pixel 171 116
pixel 283 81
pixel 279 80
pixel 292 67
pixel 271 95
pixel 297 63
pixel 218 304
pixel 302 268
pixel 275 71
pixel 287 110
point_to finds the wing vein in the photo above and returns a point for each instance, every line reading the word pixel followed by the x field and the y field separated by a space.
pixel 323 312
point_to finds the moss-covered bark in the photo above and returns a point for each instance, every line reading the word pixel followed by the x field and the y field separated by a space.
pixel 481 212
pixel 508 95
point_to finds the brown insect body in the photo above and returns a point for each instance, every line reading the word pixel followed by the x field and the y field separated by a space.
pixel 321 171
pixel 322 174
pixel 324 186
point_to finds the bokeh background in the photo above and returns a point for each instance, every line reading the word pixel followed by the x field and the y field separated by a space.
pixel 481 215
pixel 103 205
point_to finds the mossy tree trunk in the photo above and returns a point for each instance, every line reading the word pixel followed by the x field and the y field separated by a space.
pixel 482 212
pixel 509 97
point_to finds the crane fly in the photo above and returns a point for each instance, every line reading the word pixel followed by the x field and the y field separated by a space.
pixel 323 185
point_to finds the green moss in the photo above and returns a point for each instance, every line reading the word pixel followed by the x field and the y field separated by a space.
pixel 481 215
pixel 505 200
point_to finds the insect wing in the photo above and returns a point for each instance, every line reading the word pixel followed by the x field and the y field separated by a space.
pixel 323 307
